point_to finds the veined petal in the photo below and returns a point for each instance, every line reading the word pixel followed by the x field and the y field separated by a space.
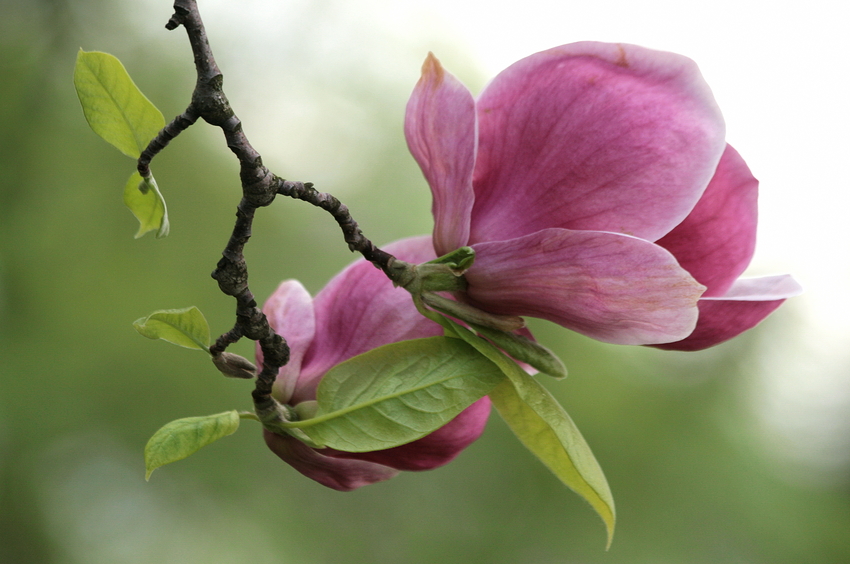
pixel 436 449
pixel 439 126
pixel 612 287
pixel 715 243
pixel 290 313
pixel 593 136
pixel 744 306
pixel 360 310
pixel 336 473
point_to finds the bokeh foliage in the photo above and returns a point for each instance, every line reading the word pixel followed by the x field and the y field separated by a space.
pixel 81 391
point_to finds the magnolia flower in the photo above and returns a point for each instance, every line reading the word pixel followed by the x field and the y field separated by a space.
pixel 357 311
pixel 595 185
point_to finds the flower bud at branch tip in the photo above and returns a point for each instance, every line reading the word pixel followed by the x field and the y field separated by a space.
pixel 234 366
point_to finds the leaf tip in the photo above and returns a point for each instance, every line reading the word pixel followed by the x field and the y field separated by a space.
pixel 609 529
pixel 164 228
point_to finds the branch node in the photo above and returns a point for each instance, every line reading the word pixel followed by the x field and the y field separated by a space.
pixel 177 18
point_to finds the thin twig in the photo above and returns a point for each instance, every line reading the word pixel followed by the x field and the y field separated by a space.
pixel 357 242
pixel 259 189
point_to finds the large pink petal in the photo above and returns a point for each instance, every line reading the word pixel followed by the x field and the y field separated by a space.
pixel 436 449
pixel 336 473
pixel 715 243
pixel 290 313
pixel 440 129
pixel 744 306
pixel 360 310
pixel 611 287
pixel 593 136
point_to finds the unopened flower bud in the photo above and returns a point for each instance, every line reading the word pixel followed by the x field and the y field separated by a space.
pixel 234 366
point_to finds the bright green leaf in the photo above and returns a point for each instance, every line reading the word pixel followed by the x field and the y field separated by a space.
pixel 113 105
pixel 144 199
pixel 185 327
pixel 183 437
pixel 542 425
pixel 398 393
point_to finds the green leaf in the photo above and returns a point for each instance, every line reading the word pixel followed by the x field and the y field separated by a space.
pixel 144 199
pixel 113 105
pixel 542 425
pixel 472 314
pixel 185 327
pixel 460 260
pixel 397 393
pixel 525 350
pixel 183 437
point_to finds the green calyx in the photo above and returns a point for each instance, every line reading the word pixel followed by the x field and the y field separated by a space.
pixel 443 274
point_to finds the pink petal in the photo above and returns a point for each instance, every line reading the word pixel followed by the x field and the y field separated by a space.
pixel 593 136
pixel 440 129
pixel 339 474
pixel 436 449
pixel 743 307
pixel 611 287
pixel 290 312
pixel 360 310
pixel 715 243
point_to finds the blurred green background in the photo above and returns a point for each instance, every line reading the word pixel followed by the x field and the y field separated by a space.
pixel 698 473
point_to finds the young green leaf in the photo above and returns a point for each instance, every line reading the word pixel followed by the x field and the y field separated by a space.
pixel 113 105
pixel 397 393
pixel 472 314
pixel 185 327
pixel 144 199
pixel 525 350
pixel 542 425
pixel 183 437
pixel 460 259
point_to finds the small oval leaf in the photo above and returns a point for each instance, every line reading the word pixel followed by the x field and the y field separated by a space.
pixel 185 327
pixel 144 199
pixel 114 106
pixel 398 393
pixel 183 437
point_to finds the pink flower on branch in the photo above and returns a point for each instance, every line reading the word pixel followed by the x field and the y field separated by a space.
pixel 594 182
pixel 357 311
pixel 595 185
